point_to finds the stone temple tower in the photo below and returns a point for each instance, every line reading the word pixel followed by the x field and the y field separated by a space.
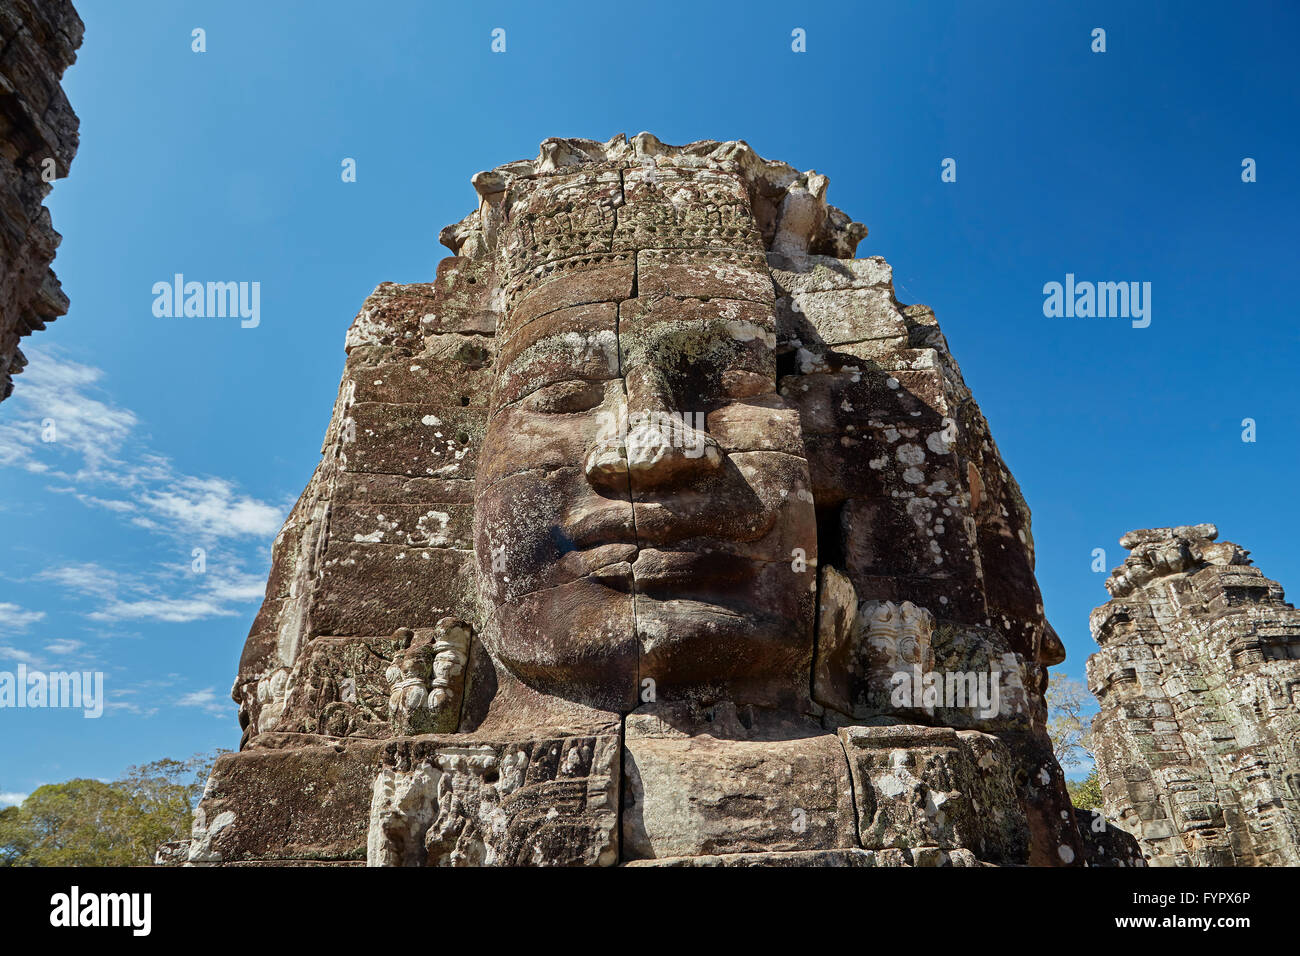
pixel 1198 739
pixel 654 531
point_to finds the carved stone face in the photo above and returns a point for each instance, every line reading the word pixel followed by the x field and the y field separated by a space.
pixel 596 369
pixel 642 494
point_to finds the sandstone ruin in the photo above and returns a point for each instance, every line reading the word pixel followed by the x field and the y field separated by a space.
pixel 38 41
pixel 1198 676
pixel 624 528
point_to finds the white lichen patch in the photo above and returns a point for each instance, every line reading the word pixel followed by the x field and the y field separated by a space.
pixel 909 454
pixel 809 363
pixel 743 331
pixel 431 528
pixel 938 443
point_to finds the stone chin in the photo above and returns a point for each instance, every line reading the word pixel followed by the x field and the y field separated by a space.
pixel 708 650
pixel 714 624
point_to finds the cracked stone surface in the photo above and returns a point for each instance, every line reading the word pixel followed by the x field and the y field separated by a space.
pixel 38 138
pixel 1199 682
pixel 624 528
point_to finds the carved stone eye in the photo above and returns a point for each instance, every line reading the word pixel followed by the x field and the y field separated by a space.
pixel 566 398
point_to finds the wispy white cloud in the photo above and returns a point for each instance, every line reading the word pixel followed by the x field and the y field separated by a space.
pixel 171 594
pixel 59 416
pixel 88 579
pixel 208 701
pixel 115 705
pixel 62 425
pixel 237 586
pixel 15 618
pixel 174 610
pixel 141 698
pixel 63 647
pixel 11 799
pixel 8 653
pixel 93 501
pixel 211 507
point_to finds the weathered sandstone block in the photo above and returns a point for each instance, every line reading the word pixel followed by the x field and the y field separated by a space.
pixel 38 138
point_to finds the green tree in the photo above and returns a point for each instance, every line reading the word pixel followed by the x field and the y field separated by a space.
pixel 1085 793
pixel 13 842
pixel 93 823
pixel 72 824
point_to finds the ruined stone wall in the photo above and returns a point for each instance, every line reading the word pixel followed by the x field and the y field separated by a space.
pixel 38 138
pixel 445 672
pixel 1198 738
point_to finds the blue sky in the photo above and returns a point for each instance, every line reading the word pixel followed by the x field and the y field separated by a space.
pixel 176 434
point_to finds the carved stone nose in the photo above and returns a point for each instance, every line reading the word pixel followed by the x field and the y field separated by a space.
pixel 657 449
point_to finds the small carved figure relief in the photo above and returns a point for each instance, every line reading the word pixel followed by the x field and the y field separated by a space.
pixel 427 678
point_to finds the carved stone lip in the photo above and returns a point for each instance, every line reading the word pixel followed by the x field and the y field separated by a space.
pixel 613 524
pixel 686 520
pixel 665 552
pixel 665 573
pixel 696 516
pixel 600 524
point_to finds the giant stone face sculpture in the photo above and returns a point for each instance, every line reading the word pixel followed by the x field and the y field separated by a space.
pixel 654 531
pixel 642 483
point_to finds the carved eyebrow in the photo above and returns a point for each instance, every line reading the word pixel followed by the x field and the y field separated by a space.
pixel 590 357
pixel 574 340
pixel 584 387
